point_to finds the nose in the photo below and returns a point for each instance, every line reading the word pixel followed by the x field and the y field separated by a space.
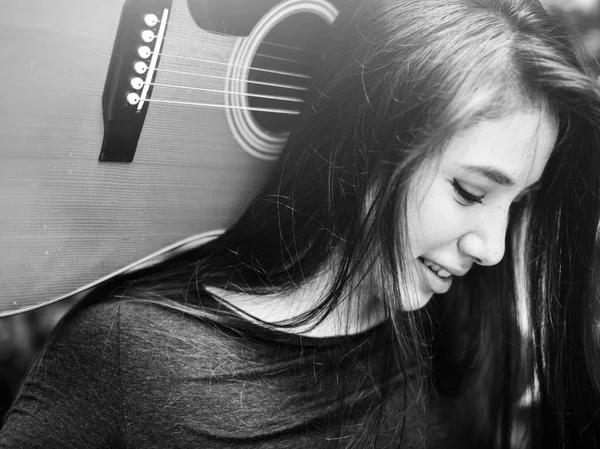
pixel 485 243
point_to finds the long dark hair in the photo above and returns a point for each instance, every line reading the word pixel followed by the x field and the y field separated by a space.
pixel 398 80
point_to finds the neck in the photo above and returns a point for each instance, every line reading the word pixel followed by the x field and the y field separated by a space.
pixel 356 312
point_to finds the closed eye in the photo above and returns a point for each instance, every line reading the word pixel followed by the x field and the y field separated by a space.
pixel 466 198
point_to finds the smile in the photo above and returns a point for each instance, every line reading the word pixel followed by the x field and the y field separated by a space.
pixel 438 279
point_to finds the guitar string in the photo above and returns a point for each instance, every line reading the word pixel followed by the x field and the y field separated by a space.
pixel 224 106
pixel 248 108
pixel 271 97
pixel 287 46
pixel 277 72
pixel 284 86
pixel 279 58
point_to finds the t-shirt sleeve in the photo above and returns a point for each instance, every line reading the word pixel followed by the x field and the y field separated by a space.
pixel 71 397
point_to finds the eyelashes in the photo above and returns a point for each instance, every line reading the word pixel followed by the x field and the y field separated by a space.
pixel 466 198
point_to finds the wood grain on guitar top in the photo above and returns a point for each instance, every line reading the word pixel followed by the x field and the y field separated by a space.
pixel 67 219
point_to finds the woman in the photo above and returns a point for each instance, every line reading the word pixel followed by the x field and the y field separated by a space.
pixel 368 297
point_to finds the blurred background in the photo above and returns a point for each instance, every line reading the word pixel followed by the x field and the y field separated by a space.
pixel 585 15
pixel 22 335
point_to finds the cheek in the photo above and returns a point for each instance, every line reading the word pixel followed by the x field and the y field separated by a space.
pixel 434 220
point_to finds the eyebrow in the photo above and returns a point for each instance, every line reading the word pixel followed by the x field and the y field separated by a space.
pixel 491 173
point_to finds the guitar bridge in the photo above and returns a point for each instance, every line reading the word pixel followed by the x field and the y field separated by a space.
pixel 132 69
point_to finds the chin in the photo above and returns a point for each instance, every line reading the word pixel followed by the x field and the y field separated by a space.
pixel 417 301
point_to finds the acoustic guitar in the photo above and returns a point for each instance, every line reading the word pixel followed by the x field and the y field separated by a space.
pixel 128 125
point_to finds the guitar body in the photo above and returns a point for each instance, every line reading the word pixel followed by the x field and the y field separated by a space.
pixel 67 218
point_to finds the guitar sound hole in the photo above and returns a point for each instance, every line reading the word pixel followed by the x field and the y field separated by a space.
pixel 287 59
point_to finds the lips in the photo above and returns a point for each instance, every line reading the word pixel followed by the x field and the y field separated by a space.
pixel 438 279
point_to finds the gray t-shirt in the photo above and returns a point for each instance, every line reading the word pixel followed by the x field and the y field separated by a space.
pixel 138 375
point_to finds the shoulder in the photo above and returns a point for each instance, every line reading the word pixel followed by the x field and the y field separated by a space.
pixel 158 334
pixel 98 318
pixel 76 374
pixel 136 320
pixel 85 330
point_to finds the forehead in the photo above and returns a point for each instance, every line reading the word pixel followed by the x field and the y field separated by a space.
pixel 518 145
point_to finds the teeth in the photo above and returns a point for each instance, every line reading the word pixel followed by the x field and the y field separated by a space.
pixel 433 266
pixel 436 269
pixel 443 273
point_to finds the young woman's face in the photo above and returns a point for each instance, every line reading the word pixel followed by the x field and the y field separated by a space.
pixel 458 215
